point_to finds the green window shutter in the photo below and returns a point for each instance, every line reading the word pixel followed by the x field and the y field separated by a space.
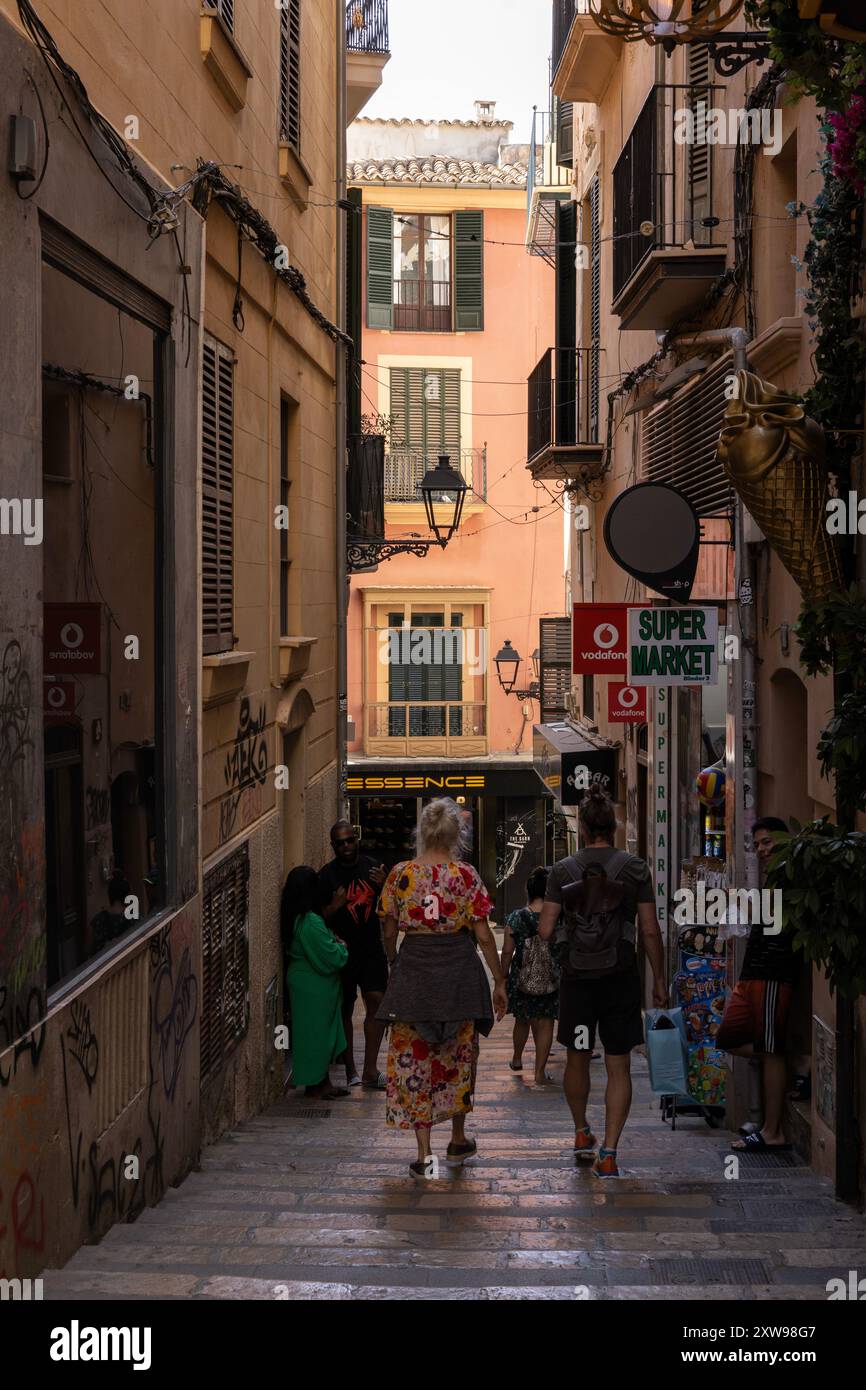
pixel 380 268
pixel 468 271
pixel 451 416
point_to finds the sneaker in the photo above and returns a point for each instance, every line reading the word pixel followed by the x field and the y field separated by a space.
pixel 423 1171
pixel 584 1145
pixel 458 1154
pixel 605 1164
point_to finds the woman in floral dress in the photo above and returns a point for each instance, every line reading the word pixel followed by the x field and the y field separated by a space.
pixel 438 998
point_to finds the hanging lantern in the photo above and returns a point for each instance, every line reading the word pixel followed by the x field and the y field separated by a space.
pixel 668 22
pixel 506 661
pixel 440 487
pixel 710 786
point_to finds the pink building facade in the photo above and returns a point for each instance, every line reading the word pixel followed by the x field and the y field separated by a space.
pixel 455 316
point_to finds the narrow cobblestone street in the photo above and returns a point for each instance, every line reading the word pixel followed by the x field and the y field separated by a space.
pixel 314 1201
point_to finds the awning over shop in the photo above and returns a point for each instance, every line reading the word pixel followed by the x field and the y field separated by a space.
pixel 567 760
pixel 445 777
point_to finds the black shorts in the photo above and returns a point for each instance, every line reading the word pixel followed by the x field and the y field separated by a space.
pixel 367 973
pixel 612 1004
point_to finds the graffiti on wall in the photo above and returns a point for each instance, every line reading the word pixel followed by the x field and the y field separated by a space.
pixel 15 709
pixel 97 801
pixel 244 773
pixel 22 1206
pixel 24 1025
pixel 103 1182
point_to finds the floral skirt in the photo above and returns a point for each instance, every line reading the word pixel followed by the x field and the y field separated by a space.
pixel 428 1082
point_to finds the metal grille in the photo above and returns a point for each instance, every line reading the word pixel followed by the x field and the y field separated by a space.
pixel 217 481
pixel 309 1114
pixel 555 666
pixel 225 960
pixel 595 303
pixel 290 74
pixel 679 441
pixel 703 1272
pixel 122 1028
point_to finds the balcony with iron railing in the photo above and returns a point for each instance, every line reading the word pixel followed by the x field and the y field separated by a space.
pixel 548 182
pixel 367 51
pixel 665 257
pixel 563 415
pixel 435 728
pixel 422 306
pixel 405 468
pixel 582 56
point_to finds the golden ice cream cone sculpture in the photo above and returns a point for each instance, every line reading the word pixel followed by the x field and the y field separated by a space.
pixel 773 453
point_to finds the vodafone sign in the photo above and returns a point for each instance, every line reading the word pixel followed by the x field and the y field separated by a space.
pixel 626 704
pixel 600 639
pixel 71 633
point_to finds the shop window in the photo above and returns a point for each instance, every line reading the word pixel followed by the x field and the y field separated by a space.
pixel 102 588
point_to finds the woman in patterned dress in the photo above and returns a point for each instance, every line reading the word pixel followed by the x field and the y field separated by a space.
pixel 531 1011
pixel 438 998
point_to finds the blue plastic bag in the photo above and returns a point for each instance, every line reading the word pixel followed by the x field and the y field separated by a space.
pixel 666 1052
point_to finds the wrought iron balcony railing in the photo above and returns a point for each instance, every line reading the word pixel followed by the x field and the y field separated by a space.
pixel 563 18
pixel 563 400
pixel 547 181
pixel 404 469
pixel 422 306
pixel 426 719
pixel 367 26
pixel 660 185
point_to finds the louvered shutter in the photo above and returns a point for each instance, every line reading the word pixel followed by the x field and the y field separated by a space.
pixel 380 268
pixel 564 133
pixel 225 1007
pixel 594 306
pixel 698 156
pixel 468 271
pixel 451 415
pixel 555 666
pixel 227 12
pixel 217 497
pixel 290 74
pixel 680 437
pixel 566 392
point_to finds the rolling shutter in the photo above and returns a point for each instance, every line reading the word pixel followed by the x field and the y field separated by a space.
pixel 468 271
pixel 217 478
pixel 680 437
pixel 380 268
pixel 555 667
pixel 225 1007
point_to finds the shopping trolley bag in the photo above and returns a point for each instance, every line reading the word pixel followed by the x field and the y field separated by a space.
pixel 666 1052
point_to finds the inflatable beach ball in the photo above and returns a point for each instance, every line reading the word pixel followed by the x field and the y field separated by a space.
pixel 710 785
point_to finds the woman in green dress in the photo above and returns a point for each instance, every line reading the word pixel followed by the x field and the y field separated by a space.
pixel 315 958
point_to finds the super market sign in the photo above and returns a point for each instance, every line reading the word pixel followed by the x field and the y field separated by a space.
pixel 673 646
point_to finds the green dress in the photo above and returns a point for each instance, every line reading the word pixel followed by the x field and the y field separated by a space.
pixel 316 958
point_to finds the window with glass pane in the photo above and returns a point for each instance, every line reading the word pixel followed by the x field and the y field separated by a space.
pixel 422 272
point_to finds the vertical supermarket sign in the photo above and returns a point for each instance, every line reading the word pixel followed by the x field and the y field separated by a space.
pixel 673 646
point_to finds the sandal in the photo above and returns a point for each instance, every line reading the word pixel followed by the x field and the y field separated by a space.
pixel 333 1093
pixel 353 1080
pixel 512 1067
pixel 756 1143
pixel 423 1170
pixel 380 1084
pixel 547 1081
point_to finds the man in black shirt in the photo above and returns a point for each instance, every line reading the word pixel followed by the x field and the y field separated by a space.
pixel 756 1014
pixel 351 884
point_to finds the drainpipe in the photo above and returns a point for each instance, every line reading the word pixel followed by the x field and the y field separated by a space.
pixel 742 725
pixel 340 350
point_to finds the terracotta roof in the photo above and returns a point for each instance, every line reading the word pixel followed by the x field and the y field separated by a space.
pixel 411 120
pixel 437 169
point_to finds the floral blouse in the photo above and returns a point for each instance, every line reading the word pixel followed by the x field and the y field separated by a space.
pixel 434 897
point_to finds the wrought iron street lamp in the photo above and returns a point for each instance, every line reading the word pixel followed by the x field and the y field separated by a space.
pixel 672 22
pixel 443 486
pixel 507 661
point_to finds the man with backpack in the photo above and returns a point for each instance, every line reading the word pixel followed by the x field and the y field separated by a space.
pixel 596 903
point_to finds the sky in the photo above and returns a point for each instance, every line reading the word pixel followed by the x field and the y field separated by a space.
pixel 448 54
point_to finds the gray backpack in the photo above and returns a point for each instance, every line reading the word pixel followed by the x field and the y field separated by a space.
pixel 593 920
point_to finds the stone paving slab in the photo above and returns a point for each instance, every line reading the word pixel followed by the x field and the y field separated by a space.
pixel 321 1209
